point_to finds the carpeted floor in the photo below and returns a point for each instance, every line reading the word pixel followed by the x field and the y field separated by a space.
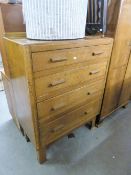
pixel 102 151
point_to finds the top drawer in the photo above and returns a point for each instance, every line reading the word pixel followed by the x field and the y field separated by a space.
pixel 58 58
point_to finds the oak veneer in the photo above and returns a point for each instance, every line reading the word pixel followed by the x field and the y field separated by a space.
pixel 53 98
pixel 64 58
pixel 117 91
pixel 11 20
pixel 57 83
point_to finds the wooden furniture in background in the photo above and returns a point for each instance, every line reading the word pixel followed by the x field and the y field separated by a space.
pixel 11 20
pixel 58 86
pixel 114 7
pixel 117 92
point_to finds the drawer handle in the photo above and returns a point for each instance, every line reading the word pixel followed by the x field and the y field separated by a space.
pixel 57 82
pixel 57 128
pixel 97 53
pixel 58 106
pixel 88 93
pixel 94 72
pixel 86 113
pixel 54 60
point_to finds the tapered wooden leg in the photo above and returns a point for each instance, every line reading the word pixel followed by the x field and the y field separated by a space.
pixel 88 125
pixel 93 123
pixel 41 155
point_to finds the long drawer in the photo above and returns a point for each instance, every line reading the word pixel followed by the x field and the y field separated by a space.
pixel 59 58
pixel 55 84
pixel 49 132
pixel 69 101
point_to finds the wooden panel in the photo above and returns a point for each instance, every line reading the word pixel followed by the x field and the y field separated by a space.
pixel 49 132
pixel 54 45
pixel 10 99
pixel 58 83
pixel 126 89
pixel 21 87
pixel 58 58
pixel 70 100
pixel 116 85
pixel 11 20
pixel 128 71
pixel 2 48
pixel 114 7
pixel 113 90
pixel 7 85
pixel 122 44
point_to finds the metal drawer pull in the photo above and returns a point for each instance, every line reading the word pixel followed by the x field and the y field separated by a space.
pixel 57 128
pixel 58 106
pixel 57 82
pixel 53 60
pixel 94 72
pixel 97 53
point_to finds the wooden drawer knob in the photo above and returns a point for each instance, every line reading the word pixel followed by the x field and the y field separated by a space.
pixel 57 128
pixel 54 60
pixel 88 93
pixel 57 82
pixel 97 53
pixel 86 113
pixel 94 72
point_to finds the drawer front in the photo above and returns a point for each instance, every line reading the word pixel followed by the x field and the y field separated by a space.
pixel 53 85
pixel 59 58
pixel 49 132
pixel 70 100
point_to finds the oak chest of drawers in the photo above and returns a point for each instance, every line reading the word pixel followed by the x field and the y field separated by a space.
pixel 58 86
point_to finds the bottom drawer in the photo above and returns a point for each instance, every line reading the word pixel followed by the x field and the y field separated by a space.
pixel 50 132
